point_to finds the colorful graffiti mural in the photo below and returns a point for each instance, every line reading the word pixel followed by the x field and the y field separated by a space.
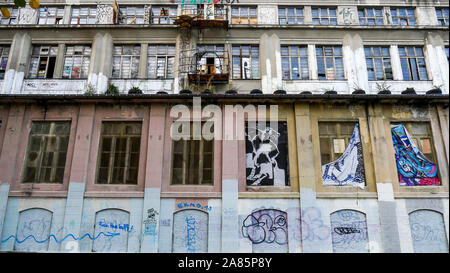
pixel 414 169
pixel 349 168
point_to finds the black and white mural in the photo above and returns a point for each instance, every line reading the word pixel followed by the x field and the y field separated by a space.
pixel 266 154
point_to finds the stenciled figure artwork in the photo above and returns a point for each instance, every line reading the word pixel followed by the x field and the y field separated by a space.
pixel 414 169
pixel 267 230
pixel 347 170
pixel 266 155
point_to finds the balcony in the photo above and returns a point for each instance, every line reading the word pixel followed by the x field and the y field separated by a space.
pixel 203 16
pixel 206 64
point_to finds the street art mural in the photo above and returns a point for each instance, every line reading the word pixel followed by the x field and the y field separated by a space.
pixel 414 169
pixel 266 154
pixel 190 231
pixel 267 230
pixel 347 170
pixel 428 232
pixel 111 221
pixel 349 232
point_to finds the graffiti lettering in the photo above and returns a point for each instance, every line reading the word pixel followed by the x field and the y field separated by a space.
pixel 125 227
pixel 268 226
pixel 346 230
pixel 191 234
pixel 193 205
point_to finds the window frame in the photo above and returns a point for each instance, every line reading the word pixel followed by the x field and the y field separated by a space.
pixel 338 135
pixel 132 57
pixel 83 73
pixel 166 56
pixel 80 17
pixel 4 55
pixel 170 18
pixel 324 57
pixel 296 17
pixel 442 20
pixel 241 56
pixel 409 63
pixel 321 17
pixel 15 12
pixel 124 19
pixel 299 57
pixel 366 17
pixel 39 56
pixel 383 58
pixel 59 19
pixel 408 19
pixel 240 18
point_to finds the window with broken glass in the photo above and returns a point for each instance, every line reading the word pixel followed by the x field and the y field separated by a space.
pixel 291 16
pixel 330 65
pixel 76 62
pixel 126 61
pixel 294 62
pixel 45 159
pixel 334 138
pixel 378 63
pixel 413 64
pixel 161 59
pixel 43 60
pixel 129 15
pixel 4 55
pixel 403 16
pixel 50 15
pixel 192 160
pixel 213 60
pixel 324 16
pixel 245 62
pixel 83 15
pixel 13 18
pixel 244 15
pixel 163 15
pixel 370 16
pixel 119 148
pixel 442 16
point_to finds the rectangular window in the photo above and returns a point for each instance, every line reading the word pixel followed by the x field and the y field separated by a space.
pixel 294 62
pixel 413 64
pixel 4 55
pixel 50 15
pixel 76 62
pixel 212 60
pixel 330 65
pixel 324 16
pixel 126 61
pixel 291 16
pixel 161 59
pixel 192 160
pixel 46 154
pixel 83 15
pixel 244 15
pixel 163 15
pixel 447 54
pixel 378 63
pixel 119 149
pixel 131 15
pixel 43 60
pixel 403 16
pixel 334 138
pixel 370 16
pixel 245 62
pixel 12 20
pixel 442 16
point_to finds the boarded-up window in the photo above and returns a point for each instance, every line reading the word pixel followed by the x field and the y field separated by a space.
pixel 267 229
pixel 428 232
pixel 349 232
pixel 112 227
pixel 190 232
pixel 45 159
pixel 33 230
pixel 43 60
pixel 192 160
pixel 267 155
pixel 330 65
pixel 119 153
pixel 244 15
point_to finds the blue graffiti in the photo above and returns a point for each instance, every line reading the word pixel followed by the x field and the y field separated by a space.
pixel 194 205
pixel 125 227
pixel 191 234
pixel 107 234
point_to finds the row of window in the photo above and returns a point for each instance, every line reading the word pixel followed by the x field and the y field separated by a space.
pixel 192 160
pixel 51 15
pixel 245 62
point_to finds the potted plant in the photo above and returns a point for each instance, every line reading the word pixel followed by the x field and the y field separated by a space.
pixel 134 91
pixel 409 90
pixel 112 90
pixel 383 88
pixel 358 90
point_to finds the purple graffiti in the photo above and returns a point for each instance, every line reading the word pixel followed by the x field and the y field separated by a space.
pixel 268 225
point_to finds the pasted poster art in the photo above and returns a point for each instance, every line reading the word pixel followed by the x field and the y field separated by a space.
pixel 414 169
pixel 349 168
pixel 267 230
pixel 266 154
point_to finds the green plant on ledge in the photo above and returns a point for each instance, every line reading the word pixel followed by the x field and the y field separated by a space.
pixel 90 90
pixel 112 90
pixel 383 87
pixel 134 91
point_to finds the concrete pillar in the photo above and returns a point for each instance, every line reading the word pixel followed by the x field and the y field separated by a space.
pixel 436 60
pixel 153 179
pixel 308 15
pixel 360 63
pixel 67 13
pixel 4 192
pixel 384 179
pixel 395 63
pixel 143 62
pixel 265 64
pixel 310 213
pixel 349 62
pixel 19 58
pixel 100 69
pixel 57 74
pixel 275 60
pixel 312 62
